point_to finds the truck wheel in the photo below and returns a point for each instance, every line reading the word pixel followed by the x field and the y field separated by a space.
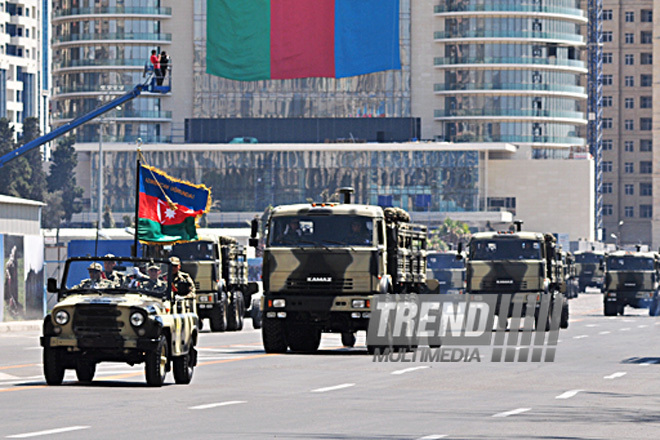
pixel 218 316
pixel 183 367
pixel 235 312
pixel 610 309
pixel 348 339
pixel 620 308
pixel 273 336
pixel 654 309
pixel 53 366
pixel 155 367
pixel 542 326
pixel 85 371
pixel 256 314
pixel 303 338
pixel 564 315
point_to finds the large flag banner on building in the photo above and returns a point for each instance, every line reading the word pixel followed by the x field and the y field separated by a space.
pixel 169 207
pixel 283 39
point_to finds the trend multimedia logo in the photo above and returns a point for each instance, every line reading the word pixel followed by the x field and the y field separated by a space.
pixel 453 328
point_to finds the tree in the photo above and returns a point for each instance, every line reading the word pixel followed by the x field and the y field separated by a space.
pixel 53 213
pixel 37 182
pixel 449 234
pixel 62 177
pixel 15 175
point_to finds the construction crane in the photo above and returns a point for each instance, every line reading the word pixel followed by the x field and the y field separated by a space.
pixel 595 105
pixel 148 85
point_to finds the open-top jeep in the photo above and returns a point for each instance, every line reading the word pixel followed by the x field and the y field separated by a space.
pixel 119 310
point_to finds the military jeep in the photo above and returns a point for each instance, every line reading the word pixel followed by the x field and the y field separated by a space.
pixel 134 318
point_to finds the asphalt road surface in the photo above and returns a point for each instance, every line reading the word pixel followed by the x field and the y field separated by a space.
pixel 604 384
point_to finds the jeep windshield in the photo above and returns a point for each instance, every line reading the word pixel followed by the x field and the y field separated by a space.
pixel 505 249
pixel 194 251
pixel 116 275
pixel 444 261
pixel 588 258
pixel 321 231
pixel 629 263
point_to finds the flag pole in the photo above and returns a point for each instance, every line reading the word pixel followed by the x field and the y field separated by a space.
pixel 137 198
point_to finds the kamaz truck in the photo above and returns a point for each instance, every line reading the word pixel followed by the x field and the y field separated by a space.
pixel 523 264
pixel 631 279
pixel 322 264
pixel 589 267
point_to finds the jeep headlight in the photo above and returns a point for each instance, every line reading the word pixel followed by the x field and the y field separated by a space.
pixel 279 303
pixel 137 319
pixel 358 303
pixel 61 317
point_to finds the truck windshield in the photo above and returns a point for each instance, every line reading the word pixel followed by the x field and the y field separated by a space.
pixel 444 261
pixel 588 258
pixel 629 263
pixel 194 251
pixel 505 250
pixel 325 231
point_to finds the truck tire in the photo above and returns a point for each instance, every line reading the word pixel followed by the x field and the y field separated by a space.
pixel 610 309
pixel 348 339
pixel 235 311
pixel 53 366
pixel 183 367
pixel 85 371
pixel 654 308
pixel 256 314
pixel 273 336
pixel 303 338
pixel 156 363
pixel 564 315
pixel 218 316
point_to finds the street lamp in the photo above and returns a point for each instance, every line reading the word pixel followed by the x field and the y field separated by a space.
pixel 615 237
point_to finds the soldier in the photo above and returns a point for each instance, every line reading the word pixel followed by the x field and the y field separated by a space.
pixel 110 274
pixel 153 283
pixel 182 283
pixel 94 281
pixel 359 234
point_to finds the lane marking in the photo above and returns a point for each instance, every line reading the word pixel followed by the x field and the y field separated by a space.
pixel 642 326
pixel 407 370
pixel 615 375
pixel 568 394
pixel 29 387
pixel 48 432
pixel 9 367
pixel 580 337
pixel 605 333
pixel 592 325
pixel 215 405
pixel 336 387
pixel 624 329
pixel 513 412
pixel 5 376
pixel 432 437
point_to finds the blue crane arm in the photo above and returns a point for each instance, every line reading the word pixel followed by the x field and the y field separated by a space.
pixel 72 124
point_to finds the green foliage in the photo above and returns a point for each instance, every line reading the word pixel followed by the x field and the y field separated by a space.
pixel 37 182
pixel 62 178
pixel 448 235
pixel 15 175
pixel 53 213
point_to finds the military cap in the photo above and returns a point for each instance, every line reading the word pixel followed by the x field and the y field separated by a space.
pixel 175 261
pixel 154 266
pixel 95 266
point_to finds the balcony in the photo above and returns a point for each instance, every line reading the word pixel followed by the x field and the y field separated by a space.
pixel 118 36
pixel 535 9
pixel 577 90
pixel 508 35
pixel 452 61
pixel 555 140
pixel 72 12
pixel 122 62
pixel 118 115
pixel 508 113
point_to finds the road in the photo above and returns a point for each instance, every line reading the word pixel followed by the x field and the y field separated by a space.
pixel 604 384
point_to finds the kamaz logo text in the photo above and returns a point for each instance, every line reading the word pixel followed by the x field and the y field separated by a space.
pixel 504 281
pixel 319 279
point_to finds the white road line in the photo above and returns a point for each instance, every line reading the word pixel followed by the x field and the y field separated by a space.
pixel 615 375
pixel 432 437
pixel 624 329
pixel 5 376
pixel 336 387
pixel 657 323
pixel 604 333
pixel 408 370
pixel 591 325
pixel 48 432
pixel 642 326
pixel 568 394
pixel 580 337
pixel 513 412
pixel 215 405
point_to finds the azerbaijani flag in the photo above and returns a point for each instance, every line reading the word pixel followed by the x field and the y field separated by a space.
pixel 168 207
pixel 251 40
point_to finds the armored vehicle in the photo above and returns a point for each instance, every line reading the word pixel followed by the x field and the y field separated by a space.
pixel 523 264
pixel 323 263
pixel 589 267
pixel 133 319
pixel 631 279
pixel 445 272
pixel 218 265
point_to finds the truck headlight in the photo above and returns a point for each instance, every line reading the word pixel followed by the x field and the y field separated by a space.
pixel 358 303
pixel 137 319
pixel 61 317
pixel 279 303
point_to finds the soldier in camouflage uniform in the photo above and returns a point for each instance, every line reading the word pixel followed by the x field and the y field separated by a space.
pixel 182 283
pixel 94 281
pixel 153 283
pixel 110 274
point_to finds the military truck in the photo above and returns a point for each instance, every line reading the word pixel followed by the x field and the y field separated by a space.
pixel 523 264
pixel 322 264
pixel 589 267
pixel 631 279
pixel 134 319
pixel 218 265
pixel 445 273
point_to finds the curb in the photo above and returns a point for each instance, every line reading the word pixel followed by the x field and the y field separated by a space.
pixel 20 326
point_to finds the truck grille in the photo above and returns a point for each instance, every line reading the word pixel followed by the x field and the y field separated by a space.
pixel 494 285
pixel 97 319
pixel 336 284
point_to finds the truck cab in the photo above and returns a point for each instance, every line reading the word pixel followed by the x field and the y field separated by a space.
pixel 631 279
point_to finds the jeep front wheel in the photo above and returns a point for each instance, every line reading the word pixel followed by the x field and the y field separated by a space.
pixel 273 336
pixel 53 366
pixel 155 367
pixel 183 367
pixel 85 371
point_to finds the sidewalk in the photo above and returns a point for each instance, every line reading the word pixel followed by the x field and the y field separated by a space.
pixel 20 326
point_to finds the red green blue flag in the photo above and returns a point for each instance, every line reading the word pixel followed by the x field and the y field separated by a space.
pixel 284 39
pixel 169 207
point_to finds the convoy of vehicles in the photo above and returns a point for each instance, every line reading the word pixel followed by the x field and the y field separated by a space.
pixel 589 267
pixel 445 273
pixel 631 279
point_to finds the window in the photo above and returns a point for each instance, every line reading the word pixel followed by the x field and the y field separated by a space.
pixel 630 81
pixel 646 211
pixel 629 103
pixel 629 189
pixel 607 144
pixel 645 167
pixel 646 15
pixel 645 145
pixel 607 101
pixel 646 37
pixel 607 187
pixel 607 123
pixel 645 189
pixel 629 59
pixel 607 37
pixel 607 209
pixel 607 14
pixel 628 168
pixel 607 58
pixel 607 166
pixel 646 58
pixel 646 102
pixel 629 125
pixel 646 124
pixel 630 38
pixel 630 17
pixel 646 80
pixel 607 80
pixel 629 146
pixel 629 211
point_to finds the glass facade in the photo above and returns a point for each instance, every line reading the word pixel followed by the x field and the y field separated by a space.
pixel 100 48
pixel 512 71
